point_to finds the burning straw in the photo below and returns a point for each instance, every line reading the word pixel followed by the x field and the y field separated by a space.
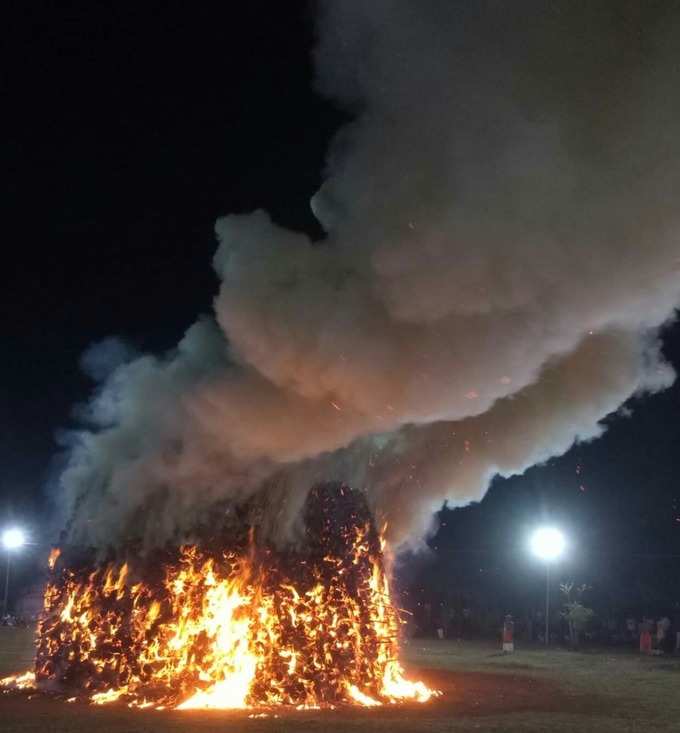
pixel 233 623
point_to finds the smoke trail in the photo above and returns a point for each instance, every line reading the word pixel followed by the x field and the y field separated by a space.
pixel 502 248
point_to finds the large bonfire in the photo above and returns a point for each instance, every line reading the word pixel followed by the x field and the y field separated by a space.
pixel 232 624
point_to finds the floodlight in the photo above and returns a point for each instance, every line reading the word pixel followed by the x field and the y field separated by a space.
pixel 547 543
pixel 13 538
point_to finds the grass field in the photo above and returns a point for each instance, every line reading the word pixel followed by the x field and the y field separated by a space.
pixel 532 690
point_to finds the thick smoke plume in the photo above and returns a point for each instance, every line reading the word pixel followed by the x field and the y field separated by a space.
pixel 502 248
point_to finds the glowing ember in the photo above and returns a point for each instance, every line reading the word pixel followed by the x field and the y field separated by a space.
pixel 235 629
pixel 25 681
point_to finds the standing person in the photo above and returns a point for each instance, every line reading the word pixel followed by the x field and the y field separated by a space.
pixel 508 634
pixel 662 627
pixel 646 636
pixel 427 617
pixel 540 626
pixel 676 628
pixel 611 629
pixel 467 616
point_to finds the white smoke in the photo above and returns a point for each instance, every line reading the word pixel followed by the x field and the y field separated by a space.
pixel 502 248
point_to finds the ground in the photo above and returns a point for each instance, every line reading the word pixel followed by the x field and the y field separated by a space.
pixel 484 691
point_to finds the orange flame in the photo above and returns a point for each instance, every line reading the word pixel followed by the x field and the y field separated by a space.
pixel 54 556
pixel 229 632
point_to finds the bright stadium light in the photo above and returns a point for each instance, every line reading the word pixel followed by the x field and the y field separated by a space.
pixel 547 543
pixel 13 538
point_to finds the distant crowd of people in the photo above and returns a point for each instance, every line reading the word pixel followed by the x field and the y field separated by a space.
pixel 658 637
pixel 652 635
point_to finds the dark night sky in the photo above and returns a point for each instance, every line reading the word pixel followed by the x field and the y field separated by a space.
pixel 129 133
pixel 128 130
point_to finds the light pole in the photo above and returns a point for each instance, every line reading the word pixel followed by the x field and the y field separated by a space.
pixel 12 539
pixel 547 543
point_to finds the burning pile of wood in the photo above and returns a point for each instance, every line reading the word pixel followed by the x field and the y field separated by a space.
pixel 232 622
